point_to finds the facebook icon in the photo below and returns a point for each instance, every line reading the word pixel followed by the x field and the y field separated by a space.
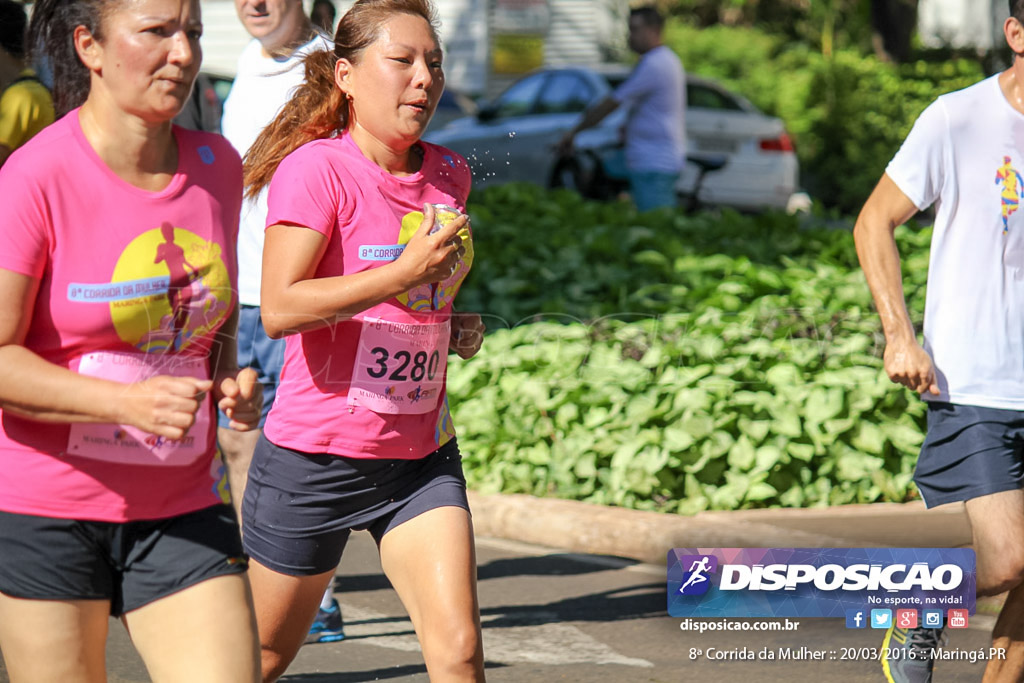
pixel 856 618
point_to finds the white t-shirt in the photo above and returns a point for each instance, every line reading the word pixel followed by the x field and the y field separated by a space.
pixel 262 87
pixel 965 154
pixel 655 130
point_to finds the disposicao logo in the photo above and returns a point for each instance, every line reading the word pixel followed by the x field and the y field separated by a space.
pixel 696 581
pixel 821 582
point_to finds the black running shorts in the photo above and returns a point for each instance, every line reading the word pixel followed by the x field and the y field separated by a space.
pixel 970 452
pixel 299 508
pixel 128 563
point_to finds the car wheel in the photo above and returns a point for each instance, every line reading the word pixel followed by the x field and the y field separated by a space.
pixel 568 174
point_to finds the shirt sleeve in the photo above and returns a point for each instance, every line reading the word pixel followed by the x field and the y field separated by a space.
pixel 229 190
pixel 919 167
pixel 306 190
pixel 233 178
pixel 21 115
pixel 25 232
pixel 641 83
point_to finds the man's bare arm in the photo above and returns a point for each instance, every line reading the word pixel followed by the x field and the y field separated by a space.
pixel 906 362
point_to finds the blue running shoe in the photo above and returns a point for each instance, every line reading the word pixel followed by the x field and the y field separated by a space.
pixel 907 654
pixel 328 627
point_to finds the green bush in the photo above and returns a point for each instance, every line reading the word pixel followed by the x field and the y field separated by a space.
pixel 553 254
pixel 848 114
pixel 678 363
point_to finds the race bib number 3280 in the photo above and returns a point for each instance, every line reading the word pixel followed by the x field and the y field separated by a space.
pixel 399 367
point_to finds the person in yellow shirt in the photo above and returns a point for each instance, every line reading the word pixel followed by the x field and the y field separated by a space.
pixel 25 104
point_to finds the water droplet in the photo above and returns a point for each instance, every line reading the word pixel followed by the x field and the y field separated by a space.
pixel 511 133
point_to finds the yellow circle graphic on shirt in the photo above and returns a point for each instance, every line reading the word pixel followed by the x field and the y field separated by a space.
pixel 174 288
pixel 426 297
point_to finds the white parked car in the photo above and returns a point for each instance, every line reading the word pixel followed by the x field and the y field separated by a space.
pixel 513 138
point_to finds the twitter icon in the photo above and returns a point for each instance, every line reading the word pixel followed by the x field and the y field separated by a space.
pixel 881 618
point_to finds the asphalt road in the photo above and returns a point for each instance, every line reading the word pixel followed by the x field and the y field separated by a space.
pixel 551 616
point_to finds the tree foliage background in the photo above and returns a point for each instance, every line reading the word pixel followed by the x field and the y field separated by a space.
pixel 884 27
pixel 848 77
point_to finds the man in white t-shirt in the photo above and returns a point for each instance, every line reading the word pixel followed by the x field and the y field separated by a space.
pixel 655 94
pixel 963 157
pixel 269 70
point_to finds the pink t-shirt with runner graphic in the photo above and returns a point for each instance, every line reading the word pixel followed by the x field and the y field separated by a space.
pixel 373 386
pixel 132 283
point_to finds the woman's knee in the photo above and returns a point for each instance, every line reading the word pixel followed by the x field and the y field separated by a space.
pixel 458 646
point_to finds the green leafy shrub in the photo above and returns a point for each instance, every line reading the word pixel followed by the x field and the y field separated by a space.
pixel 677 363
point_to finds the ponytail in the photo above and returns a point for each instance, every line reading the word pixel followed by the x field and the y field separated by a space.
pixel 319 109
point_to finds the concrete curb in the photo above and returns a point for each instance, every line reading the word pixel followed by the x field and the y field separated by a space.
pixel 648 536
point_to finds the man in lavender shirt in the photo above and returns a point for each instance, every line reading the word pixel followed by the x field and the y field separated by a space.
pixel 655 129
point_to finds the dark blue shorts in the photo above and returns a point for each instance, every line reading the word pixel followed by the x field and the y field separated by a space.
pixel 970 452
pixel 261 353
pixel 299 508
pixel 131 564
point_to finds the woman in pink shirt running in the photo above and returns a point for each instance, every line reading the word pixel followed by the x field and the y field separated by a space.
pixel 109 380
pixel 360 435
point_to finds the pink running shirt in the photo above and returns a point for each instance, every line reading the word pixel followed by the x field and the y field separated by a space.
pixel 337 379
pixel 121 270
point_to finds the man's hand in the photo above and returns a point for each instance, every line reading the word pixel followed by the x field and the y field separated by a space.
pixel 240 396
pixel 907 363
pixel 591 117
pixel 467 334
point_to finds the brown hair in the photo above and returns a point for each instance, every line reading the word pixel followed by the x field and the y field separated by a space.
pixel 318 108
pixel 51 38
